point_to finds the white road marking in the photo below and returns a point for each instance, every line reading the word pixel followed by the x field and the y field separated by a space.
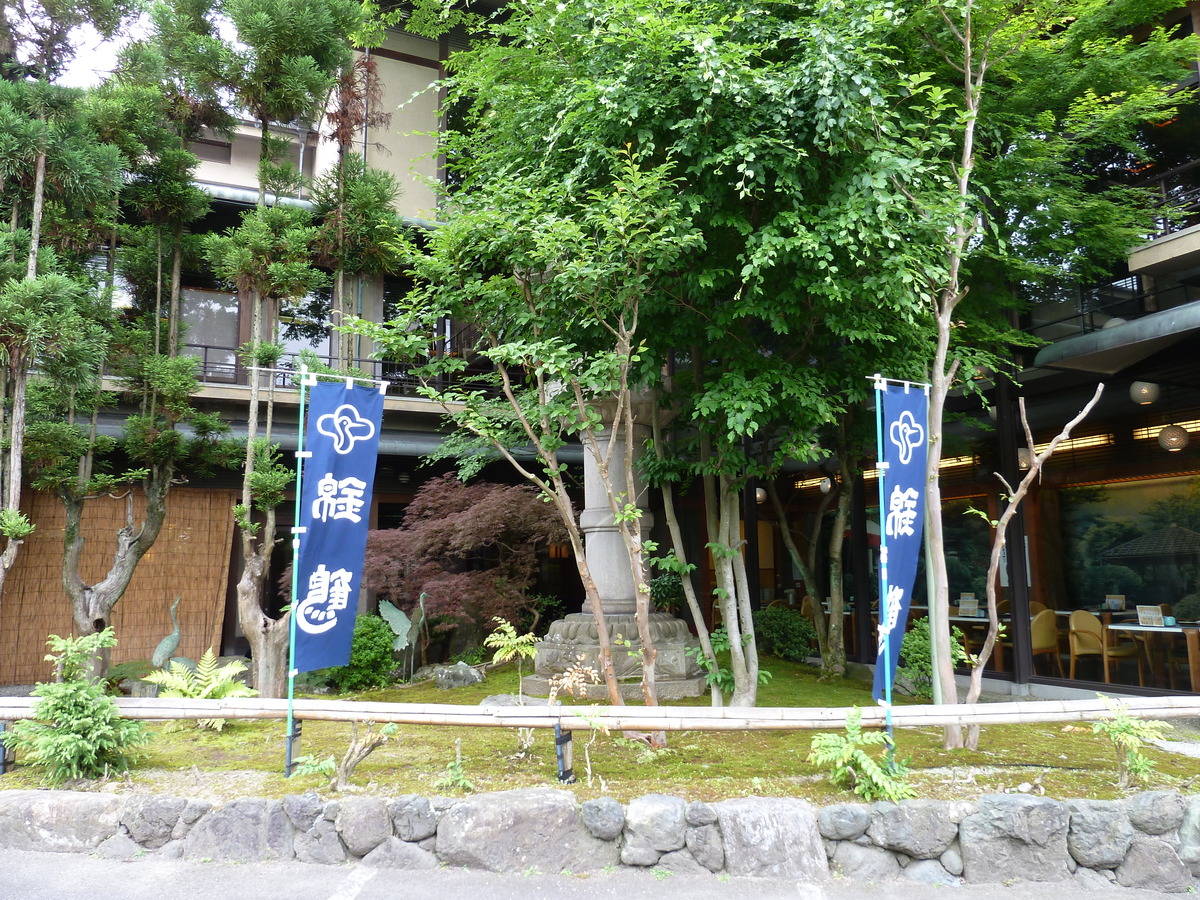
pixel 357 879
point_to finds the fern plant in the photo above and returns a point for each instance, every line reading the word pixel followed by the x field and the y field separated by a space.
pixel 77 730
pixel 850 766
pixel 208 682
pixel 1127 735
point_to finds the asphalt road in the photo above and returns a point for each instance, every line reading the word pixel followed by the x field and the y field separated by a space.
pixel 53 876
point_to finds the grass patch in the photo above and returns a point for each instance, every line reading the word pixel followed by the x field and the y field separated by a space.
pixel 247 758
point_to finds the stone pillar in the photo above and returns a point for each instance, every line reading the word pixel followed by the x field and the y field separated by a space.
pixel 605 546
pixel 575 636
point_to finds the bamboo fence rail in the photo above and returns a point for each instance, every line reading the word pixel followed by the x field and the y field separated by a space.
pixel 650 718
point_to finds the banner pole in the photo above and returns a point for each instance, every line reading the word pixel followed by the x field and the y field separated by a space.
pixel 293 731
pixel 881 465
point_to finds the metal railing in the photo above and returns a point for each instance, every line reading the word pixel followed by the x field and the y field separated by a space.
pixel 1098 308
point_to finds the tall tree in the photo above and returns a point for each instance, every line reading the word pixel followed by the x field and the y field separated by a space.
pixel 1039 104
pixel 789 134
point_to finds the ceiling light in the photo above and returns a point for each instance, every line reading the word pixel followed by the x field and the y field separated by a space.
pixel 1173 438
pixel 1143 392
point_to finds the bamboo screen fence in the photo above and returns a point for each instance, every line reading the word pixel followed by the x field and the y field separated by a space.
pixel 190 560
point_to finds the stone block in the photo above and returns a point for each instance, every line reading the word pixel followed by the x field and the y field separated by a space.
pixel 772 837
pixel 303 810
pixel 394 853
pixel 242 831
pixel 1189 837
pixel 604 817
pixel 57 821
pixel 1157 812
pixel 931 872
pixel 517 830
pixel 704 843
pixel 1015 836
pixel 151 821
pixel 654 824
pixel 320 844
pixel 1152 864
pixel 413 817
pixel 1100 833
pixel 844 821
pixel 364 823
pixel 918 828
pixel 860 863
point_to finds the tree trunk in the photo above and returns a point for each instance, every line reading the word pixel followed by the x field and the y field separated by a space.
pixel 92 604
pixel 16 447
pixel 35 219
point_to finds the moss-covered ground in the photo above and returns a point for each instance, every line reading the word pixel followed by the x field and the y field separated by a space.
pixel 246 759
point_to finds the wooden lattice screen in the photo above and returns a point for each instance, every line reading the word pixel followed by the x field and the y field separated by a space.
pixel 190 560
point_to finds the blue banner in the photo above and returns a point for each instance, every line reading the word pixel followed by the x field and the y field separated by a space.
pixel 903 445
pixel 343 439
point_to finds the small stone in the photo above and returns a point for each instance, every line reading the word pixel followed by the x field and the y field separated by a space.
pixel 1157 812
pixel 364 823
pixel 413 817
pixel 951 860
pixel 303 809
pixel 929 871
pixel 604 818
pixel 397 854
pixel 1153 865
pixel 681 863
pixel 456 676
pixel 320 844
pixel 119 846
pixel 844 821
pixel 864 863
pixel 699 813
pixel 704 843
pixel 1024 787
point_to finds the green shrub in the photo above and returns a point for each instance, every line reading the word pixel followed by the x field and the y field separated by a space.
pixel 666 592
pixel 784 633
pixel 371 659
pixel 916 660
pixel 1188 609
pixel 78 731
pixel 850 766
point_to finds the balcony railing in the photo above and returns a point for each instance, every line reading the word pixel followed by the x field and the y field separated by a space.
pixel 221 365
pixel 1102 308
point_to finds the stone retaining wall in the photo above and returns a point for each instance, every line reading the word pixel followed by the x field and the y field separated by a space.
pixel 1150 841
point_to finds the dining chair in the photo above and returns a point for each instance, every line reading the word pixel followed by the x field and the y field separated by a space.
pixel 1044 632
pixel 1087 638
pixel 1035 607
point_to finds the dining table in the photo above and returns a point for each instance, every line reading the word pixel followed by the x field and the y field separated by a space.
pixel 1191 637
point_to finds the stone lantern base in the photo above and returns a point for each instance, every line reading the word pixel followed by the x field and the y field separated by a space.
pixel 676 674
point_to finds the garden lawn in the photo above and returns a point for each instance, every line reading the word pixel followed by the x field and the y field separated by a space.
pixel 246 759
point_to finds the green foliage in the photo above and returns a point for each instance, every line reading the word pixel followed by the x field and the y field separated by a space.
pixel 312 765
pixel 916 660
pixel 785 633
pixel 721 675
pixel 666 592
pixel 1188 608
pixel 207 681
pixel 14 525
pixel 473 657
pixel 371 659
pixel 850 766
pixel 77 731
pixel 130 670
pixel 509 645
pixel 1127 735
pixel 455 777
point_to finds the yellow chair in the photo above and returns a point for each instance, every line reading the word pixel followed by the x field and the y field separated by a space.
pixel 1044 631
pixel 1035 607
pixel 1087 638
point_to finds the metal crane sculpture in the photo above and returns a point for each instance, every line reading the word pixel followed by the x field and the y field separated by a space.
pixel 167 646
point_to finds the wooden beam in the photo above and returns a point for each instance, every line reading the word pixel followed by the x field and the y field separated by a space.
pixel 656 718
